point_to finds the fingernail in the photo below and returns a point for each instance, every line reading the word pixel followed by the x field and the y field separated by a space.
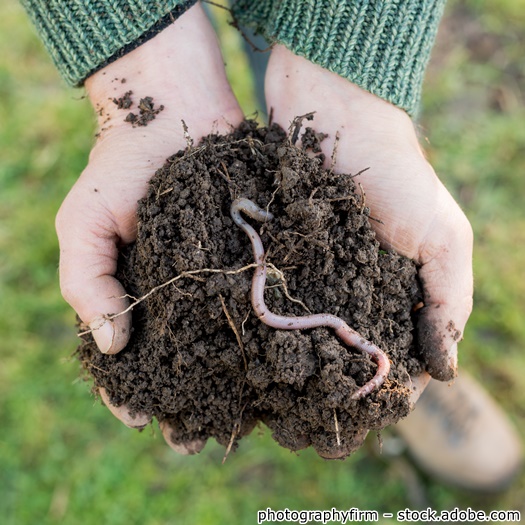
pixel 103 333
pixel 138 421
pixel 188 448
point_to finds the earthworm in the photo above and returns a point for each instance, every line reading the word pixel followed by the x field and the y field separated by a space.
pixel 342 330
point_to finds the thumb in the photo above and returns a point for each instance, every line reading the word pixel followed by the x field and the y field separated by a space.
pixel 446 276
pixel 88 262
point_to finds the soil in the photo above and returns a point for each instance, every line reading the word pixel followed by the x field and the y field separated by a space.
pixel 124 102
pixel 199 357
pixel 147 111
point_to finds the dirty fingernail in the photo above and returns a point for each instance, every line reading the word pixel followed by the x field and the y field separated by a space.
pixel 138 420
pixel 103 333
pixel 185 449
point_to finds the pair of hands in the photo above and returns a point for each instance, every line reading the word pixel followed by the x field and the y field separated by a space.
pixel 182 68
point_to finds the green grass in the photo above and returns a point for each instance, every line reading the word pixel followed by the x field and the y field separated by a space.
pixel 65 460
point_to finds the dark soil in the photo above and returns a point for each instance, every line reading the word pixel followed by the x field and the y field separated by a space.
pixel 124 102
pixel 147 111
pixel 214 377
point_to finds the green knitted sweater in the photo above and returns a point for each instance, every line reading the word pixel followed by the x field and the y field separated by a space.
pixel 82 36
pixel 382 46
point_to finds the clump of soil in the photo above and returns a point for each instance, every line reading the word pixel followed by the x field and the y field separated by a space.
pixel 199 357
pixel 147 111
pixel 124 102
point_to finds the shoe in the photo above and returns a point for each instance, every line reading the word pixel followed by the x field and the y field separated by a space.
pixel 458 434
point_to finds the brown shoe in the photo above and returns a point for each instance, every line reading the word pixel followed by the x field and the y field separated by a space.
pixel 457 433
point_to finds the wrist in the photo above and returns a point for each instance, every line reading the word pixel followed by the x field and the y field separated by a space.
pixel 381 46
pixel 295 86
pixel 181 68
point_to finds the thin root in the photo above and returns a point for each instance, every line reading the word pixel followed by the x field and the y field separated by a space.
pixel 333 158
pixel 235 432
pixel 296 125
pixel 281 277
pixel 363 198
pixel 235 331
pixel 187 136
pixel 190 273
pixel 337 433
pixel 235 24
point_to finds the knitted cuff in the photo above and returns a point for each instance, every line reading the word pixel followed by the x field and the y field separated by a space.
pixel 82 36
pixel 383 46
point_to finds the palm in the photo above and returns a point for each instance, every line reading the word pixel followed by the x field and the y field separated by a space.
pixel 177 68
pixel 419 218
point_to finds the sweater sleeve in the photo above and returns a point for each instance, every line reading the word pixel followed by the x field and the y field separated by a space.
pixel 82 36
pixel 383 46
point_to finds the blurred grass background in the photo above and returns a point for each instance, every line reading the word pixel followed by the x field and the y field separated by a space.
pixel 65 460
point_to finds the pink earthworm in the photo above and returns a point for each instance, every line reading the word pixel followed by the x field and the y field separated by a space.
pixel 342 330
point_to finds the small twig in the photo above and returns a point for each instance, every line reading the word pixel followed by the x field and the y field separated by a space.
pixel 310 235
pixel 272 198
pixel 200 247
pixel 380 441
pixel 159 193
pixel 358 173
pixel 336 199
pixel 270 118
pixel 125 296
pixel 285 287
pixel 411 386
pixel 235 24
pixel 333 158
pixel 311 198
pixel 164 192
pixel 296 125
pixel 182 292
pixel 187 136
pixel 236 426
pixel 363 198
pixel 196 278
pixel 275 241
pixel 235 331
pixel 337 434
pixel 190 154
pixel 226 173
pixel 244 321
pixel 91 365
pixel 235 432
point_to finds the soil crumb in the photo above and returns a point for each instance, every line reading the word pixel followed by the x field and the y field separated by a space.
pixel 146 114
pixel 201 360
pixel 124 102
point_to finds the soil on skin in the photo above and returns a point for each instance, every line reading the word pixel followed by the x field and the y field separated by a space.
pixel 147 111
pixel 124 102
pixel 185 363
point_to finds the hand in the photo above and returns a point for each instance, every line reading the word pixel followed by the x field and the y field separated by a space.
pixel 420 219
pixel 182 69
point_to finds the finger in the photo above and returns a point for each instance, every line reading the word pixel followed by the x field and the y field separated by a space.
pixel 446 276
pixel 122 413
pixel 416 385
pixel 185 449
pixel 337 448
pixel 88 261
